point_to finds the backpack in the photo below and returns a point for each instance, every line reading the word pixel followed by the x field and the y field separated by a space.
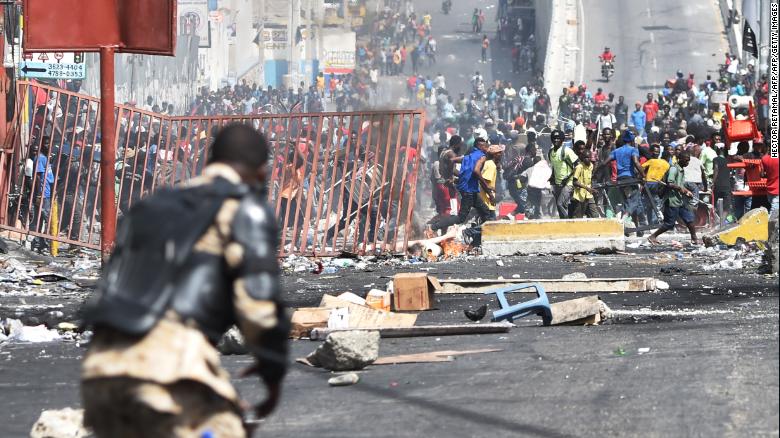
pixel 154 241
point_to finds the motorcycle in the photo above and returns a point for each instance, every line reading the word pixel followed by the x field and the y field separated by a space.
pixel 607 69
pixel 446 5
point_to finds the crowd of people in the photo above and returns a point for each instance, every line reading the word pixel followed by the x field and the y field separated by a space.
pixel 654 164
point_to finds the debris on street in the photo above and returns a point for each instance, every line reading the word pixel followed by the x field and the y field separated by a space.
pixel 414 291
pixel 432 356
pixel 567 284
pixel 345 351
pixel 344 379
pixel 424 330
pixel 752 227
pixel 60 423
pixel 581 311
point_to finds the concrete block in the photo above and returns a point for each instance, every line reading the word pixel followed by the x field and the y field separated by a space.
pixel 753 226
pixel 552 236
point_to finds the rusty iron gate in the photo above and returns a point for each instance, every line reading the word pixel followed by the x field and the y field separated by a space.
pixel 339 181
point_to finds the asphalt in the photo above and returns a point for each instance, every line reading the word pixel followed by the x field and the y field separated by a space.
pixel 652 39
pixel 712 365
pixel 711 368
pixel 459 51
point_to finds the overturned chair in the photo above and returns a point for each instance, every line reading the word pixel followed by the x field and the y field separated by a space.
pixel 538 306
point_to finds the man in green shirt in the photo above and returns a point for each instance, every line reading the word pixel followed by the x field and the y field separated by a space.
pixel 675 206
pixel 707 156
pixel 562 161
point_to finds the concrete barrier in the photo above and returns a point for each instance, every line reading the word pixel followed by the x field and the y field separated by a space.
pixel 563 47
pixel 733 30
pixel 552 236
pixel 752 227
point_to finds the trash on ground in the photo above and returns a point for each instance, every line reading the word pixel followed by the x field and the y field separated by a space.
pixel 476 315
pixel 232 342
pixel 414 291
pixel 379 300
pixel 344 380
pixel 60 423
pixel 581 311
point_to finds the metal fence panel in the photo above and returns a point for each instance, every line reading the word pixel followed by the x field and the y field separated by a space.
pixel 338 181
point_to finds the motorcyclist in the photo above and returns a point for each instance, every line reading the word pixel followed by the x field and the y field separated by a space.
pixel 607 62
pixel 607 56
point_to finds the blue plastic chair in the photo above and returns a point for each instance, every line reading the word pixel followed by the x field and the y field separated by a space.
pixel 538 306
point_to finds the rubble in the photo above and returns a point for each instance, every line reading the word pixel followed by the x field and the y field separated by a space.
pixel 15 331
pixel 344 380
pixel 232 342
pixel 346 350
pixel 753 226
pixel 581 311
pixel 60 423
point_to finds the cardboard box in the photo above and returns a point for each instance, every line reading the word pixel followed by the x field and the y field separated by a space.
pixel 305 319
pixel 366 317
pixel 378 300
pixel 414 291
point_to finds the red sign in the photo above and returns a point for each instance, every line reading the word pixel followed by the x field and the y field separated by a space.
pixel 132 26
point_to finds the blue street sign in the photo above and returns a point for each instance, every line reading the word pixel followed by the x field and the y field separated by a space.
pixel 52 70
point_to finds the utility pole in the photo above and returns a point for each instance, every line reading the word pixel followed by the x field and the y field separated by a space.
pixel 261 43
pixel 295 18
pixel 309 41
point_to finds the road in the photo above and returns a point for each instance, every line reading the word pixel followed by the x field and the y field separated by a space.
pixel 652 39
pixel 459 50
pixel 711 369
pixel 712 365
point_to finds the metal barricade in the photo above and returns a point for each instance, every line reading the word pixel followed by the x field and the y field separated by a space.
pixel 338 181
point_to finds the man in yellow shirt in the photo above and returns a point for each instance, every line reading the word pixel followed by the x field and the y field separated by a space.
pixel 582 198
pixel 489 174
pixel 655 171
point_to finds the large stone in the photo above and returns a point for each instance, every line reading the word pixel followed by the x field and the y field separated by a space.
pixel 232 342
pixel 347 350
pixel 60 423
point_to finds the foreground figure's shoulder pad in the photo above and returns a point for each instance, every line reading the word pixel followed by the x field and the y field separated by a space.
pixel 254 222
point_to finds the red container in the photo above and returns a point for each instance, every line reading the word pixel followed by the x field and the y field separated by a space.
pixel 506 208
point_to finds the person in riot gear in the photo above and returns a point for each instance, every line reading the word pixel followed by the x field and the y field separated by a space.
pixel 174 284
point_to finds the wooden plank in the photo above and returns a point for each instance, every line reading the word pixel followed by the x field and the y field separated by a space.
pixel 580 311
pixel 433 356
pixel 366 317
pixel 306 318
pixel 604 285
pixel 423 330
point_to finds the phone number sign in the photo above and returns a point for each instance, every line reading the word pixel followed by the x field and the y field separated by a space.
pixel 46 70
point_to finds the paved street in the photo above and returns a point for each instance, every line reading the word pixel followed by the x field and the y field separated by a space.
pixel 699 359
pixel 652 40
pixel 459 51
pixel 712 367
